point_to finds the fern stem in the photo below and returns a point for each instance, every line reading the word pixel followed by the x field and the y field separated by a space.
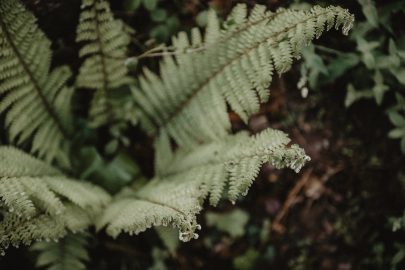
pixel 66 134
pixel 102 54
pixel 158 203
pixel 167 53
pixel 328 50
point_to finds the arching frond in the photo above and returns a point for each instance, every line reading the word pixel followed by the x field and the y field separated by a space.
pixel 223 168
pixel 39 202
pixel 105 41
pixel 35 100
pixel 234 66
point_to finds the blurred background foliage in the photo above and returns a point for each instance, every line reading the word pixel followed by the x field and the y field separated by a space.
pixel 344 103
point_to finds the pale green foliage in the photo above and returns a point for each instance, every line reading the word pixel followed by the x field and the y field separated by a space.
pixel 185 178
pixel 35 100
pixel 65 254
pixel 105 41
pixel 38 202
pixel 396 115
pixel 233 222
pixel 169 237
pixel 376 63
pixel 159 256
pixel 370 11
pixel 165 22
pixel 247 260
pixel 232 64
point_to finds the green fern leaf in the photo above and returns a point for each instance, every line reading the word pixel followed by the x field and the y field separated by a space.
pixel 185 178
pixel 233 65
pixel 67 253
pixel 39 202
pixel 35 100
pixel 104 51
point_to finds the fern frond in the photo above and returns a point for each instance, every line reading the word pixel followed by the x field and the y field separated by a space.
pixel 40 202
pixel 16 230
pixel 35 100
pixel 104 51
pixel 185 179
pixel 188 100
pixel 67 253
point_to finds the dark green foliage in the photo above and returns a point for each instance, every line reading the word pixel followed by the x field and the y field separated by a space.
pixel 379 57
pixel 68 253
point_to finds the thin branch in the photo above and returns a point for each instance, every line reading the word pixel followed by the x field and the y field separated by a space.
pixel 168 53
pixel 328 50
pixel 191 49
pixel 291 198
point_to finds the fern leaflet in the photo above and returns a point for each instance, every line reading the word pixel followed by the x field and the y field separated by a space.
pixel 105 47
pixel 38 202
pixel 36 101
